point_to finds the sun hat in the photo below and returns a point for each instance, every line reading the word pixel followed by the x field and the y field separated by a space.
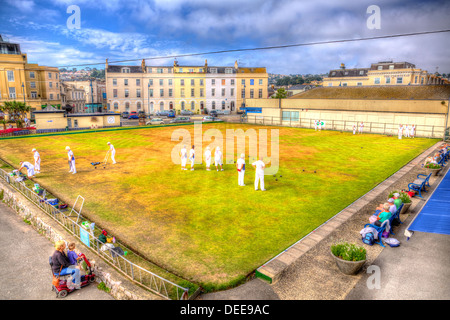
pixel 391 200
pixel 396 194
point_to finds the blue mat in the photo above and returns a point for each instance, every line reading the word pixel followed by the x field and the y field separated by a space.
pixel 435 215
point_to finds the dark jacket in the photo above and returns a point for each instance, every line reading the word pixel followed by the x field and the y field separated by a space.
pixel 59 259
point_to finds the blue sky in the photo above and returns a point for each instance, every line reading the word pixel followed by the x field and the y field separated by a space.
pixel 136 29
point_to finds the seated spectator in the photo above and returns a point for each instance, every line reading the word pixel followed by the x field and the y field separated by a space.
pixel 384 215
pixel 397 201
pixel 61 264
pixel 72 255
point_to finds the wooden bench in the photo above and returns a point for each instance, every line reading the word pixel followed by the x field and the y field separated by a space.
pixel 382 228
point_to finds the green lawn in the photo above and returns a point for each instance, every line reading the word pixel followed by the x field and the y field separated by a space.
pixel 201 225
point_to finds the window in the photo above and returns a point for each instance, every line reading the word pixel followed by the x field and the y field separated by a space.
pixel 201 92
pixel 33 94
pixel 223 105
pixel 260 82
pixel 161 82
pixel 182 105
pixel 260 94
pixel 180 70
pixel 182 92
pixel 388 80
pixel 344 84
pixel 138 93
pixel 213 82
pixel 125 70
pixel 127 93
pixel 151 93
pixel 50 85
pixel 415 79
pixel 49 75
pixel 291 115
pixel 32 84
pixel 159 70
pixel 192 105
pixel 243 93
pixel 170 82
pixel 116 106
pixel 138 82
pixel 361 72
pixel 51 96
pixel 223 82
pixel 333 73
pixel 150 82
pixel 161 92
pixel 391 67
pixel 330 84
pixel 192 82
pixel 399 80
pixel 114 93
pixel 149 70
pixel 243 82
pixel 191 70
pixel 380 67
pixel 251 93
pixel 213 70
pixel 10 75
pixel 32 75
pixel 228 70
pixel 125 82
pixel 232 92
pixel 232 82
pixel 127 106
pixel 359 84
pixel 201 82
pixel 377 81
pixel 213 92
pixel 161 106
pixel 192 93
pixel 114 82
pixel 138 106
pixel 182 82
pixel 213 105
pixel 223 92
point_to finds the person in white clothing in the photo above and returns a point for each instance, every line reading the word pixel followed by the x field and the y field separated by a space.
pixel 315 124
pixel 259 173
pixel 218 159
pixel 240 166
pixel 112 152
pixel 354 128
pixel 208 158
pixel 29 167
pixel 361 127
pixel 71 158
pixel 412 131
pixel 37 161
pixel 406 131
pixel 183 154
pixel 400 131
pixel 192 157
pixel 319 124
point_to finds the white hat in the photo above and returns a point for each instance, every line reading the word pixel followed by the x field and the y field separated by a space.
pixel 217 148
pixel 391 200
pixel 67 148
pixel 33 150
pixel 207 148
pixel 242 155
pixel 396 194
pixel 109 143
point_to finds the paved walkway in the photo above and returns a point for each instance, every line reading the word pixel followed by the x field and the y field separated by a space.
pixel 25 272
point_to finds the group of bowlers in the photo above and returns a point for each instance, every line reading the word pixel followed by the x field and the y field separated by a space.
pixel 32 170
pixel 259 165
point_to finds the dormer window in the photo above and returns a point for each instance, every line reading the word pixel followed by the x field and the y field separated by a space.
pixel 125 70
pixel 380 67
pixel 213 70
pixel 361 72
pixel 228 70
pixel 391 67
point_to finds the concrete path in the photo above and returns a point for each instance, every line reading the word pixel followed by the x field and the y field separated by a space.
pixel 25 272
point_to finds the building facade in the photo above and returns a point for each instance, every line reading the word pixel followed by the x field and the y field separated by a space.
pixel 195 88
pixel 36 86
pixel 382 73
pixel 73 98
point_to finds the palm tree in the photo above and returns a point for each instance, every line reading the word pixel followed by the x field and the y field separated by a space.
pixel 15 108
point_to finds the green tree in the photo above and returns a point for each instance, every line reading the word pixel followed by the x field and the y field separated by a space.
pixel 16 110
pixel 281 94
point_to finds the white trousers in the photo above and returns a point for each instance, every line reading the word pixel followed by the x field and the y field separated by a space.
pixel 241 177
pixel 113 156
pixel 259 178
pixel 208 163
pixel 30 172
pixel 400 135
pixel 183 162
pixel 37 165
pixel 72 166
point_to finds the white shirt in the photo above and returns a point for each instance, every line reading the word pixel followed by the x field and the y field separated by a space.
pixel 240 162
pixel 183 153
pixel 111 148
pixel 70 155
pixel 27 165
pixel 192 154
pixel 218 155
pixel 259 167
pixel 36 156
pixel 208 154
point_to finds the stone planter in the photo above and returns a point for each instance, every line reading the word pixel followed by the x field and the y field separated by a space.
pixel 405 207
pixel 348 267
pixel 434 172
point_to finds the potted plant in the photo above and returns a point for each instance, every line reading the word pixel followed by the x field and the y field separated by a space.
pixel 432 168
pixel 406 200
pixel 349 257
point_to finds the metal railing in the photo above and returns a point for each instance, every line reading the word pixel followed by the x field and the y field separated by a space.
pixel 422 131
pixel 138 273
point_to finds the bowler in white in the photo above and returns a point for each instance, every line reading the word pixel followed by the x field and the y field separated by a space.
pixel 183 154
pixel 208 158
pixel 192 157
pixel 259 173
pixel 112 152
pixel 240 166
pixel 218 159
pixel 29 167
pixel 37 161
pixel 71 158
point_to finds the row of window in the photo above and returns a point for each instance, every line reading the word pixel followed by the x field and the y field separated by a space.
pixel 182 93
pixel 399 80
pixel 169 70
pixel 11 78
pixel 161 105
pixel 182 82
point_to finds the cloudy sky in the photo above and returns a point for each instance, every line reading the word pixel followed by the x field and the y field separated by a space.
pixel 137 29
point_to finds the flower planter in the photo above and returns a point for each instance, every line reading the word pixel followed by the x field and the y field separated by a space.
pixel 433 171
pixel 405 207
pixel 348 267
